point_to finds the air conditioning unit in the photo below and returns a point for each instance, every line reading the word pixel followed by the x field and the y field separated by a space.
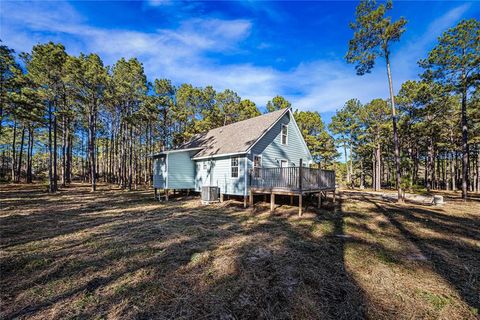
pixel 210 194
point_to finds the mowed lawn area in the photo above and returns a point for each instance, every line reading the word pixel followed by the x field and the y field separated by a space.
pixel 118 254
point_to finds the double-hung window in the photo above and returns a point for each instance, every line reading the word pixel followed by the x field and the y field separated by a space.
pixel 234 167
pixel 257 164
pixel 284 134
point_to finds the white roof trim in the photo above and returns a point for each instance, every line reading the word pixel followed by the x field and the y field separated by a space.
pixel 176 150
pixel 219 155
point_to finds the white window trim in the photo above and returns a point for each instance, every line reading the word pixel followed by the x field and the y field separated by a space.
pixel 261 160
pixel 282 160
pixel 237 166
pixel 286 136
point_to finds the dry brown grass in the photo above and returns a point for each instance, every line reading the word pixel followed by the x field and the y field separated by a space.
pixel 115 254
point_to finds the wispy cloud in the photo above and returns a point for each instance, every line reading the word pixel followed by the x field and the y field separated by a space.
pixel 158 3
pixel 414 50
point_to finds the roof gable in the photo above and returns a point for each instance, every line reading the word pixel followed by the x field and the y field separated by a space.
pixel 234 138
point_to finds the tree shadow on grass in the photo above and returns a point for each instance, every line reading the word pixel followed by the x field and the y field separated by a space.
pixel 448 251
pixel 180 260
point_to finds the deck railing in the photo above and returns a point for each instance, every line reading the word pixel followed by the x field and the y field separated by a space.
pixel 292 179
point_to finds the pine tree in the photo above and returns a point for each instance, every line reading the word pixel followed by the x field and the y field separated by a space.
pixel 455 62
pixel 373 36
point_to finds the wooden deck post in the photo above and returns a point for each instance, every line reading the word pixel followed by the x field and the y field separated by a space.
pixel 300 207
pixel 300 175
pixel 244 201
pixel 251 198
pixel 166 194
pixel 264 198
pixel 319 200
pixel 272 202
pixel 156 194
pixel 221 197
pixel 334 196
pixel 291 200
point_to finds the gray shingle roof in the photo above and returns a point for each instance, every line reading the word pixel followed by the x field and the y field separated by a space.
pixel 233 138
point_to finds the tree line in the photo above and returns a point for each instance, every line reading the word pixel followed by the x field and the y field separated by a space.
pixel 426 136
pixel 67 117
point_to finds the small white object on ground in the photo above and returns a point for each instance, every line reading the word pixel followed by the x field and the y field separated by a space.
pixel 438 200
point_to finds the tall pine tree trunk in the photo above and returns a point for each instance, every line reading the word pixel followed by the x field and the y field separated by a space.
pixel 55 150
pixel 68 165
pixel 84 165
pixel 91 146
pixel 378 173
pixel 478 168
pixel 395 131
pixel 447 171
pixel 362 175
pixel 374 170
pixel 14 160
pixel 346 163
pixel 130 160
pixel 51 187
pixel 20 154
pixel 430 165
pixel 64 151
pixel 464 144
pixel 30 154
pixel 145 165
pixel 352 183
pixel 112 154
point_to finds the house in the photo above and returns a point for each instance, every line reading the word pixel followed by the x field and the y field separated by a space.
pixel 224 156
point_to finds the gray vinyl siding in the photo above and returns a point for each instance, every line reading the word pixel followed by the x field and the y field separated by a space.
pixel 218 173
pixel 159 172
pixel 272 150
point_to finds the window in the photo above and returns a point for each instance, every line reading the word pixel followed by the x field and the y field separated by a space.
pixel 257 164
pixel 284 134
pixel 234 166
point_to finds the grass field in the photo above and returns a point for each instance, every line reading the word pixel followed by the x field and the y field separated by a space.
pixel 116 254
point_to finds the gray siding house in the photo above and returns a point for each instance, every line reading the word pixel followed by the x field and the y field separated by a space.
pixel 223 156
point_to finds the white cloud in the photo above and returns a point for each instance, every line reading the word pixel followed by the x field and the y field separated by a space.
pixel 158 3
pixel 181 54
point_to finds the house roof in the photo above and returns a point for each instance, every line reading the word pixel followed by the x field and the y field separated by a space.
pixel 235 138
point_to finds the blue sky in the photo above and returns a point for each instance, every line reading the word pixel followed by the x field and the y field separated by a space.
pixel 258 49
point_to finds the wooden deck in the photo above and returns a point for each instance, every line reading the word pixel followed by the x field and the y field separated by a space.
pixel 293 181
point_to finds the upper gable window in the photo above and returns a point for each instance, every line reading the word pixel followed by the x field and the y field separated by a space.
pixel 284 134
pixel 234 167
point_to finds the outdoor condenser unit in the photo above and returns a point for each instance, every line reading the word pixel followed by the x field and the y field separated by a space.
pixel 210 194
